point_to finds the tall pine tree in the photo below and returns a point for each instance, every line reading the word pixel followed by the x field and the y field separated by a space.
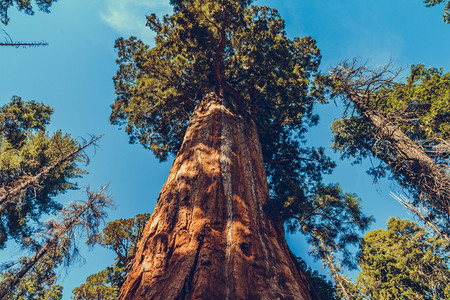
pixel 35 277
pixel 35 166
pixel 405 125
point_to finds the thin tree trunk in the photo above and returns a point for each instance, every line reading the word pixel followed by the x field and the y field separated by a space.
pixel 412 161
pixel 408 160
pixel 10 194
pixel 209 237
pixel 50 244
pixel 335 272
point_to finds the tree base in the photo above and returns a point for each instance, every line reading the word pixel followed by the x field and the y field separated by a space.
pixel 209 237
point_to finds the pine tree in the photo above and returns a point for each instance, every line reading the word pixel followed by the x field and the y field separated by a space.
pixel 230 94
pixel 34 167
pixel 403 262
pixel 34 277
pixel 405 125
pixel 98 286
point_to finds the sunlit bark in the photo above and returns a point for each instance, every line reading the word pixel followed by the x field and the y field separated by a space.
pixel 209 237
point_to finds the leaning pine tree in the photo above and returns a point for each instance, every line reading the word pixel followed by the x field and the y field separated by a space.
pixel 230 94
pixel 406 126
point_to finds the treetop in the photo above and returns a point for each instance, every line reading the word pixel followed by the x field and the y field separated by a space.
pixel 230 47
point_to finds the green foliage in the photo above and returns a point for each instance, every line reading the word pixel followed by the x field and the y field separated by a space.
pixel 18 118
pixel 403 262
pixel 237 50
pixel 331 220
pixel 446 16
pixel 424 103
pixel 97 286
pixel 34 167
pixel 40 282
pixel 419 108
pixel 23 5
pixel 121 236
pixel 205 46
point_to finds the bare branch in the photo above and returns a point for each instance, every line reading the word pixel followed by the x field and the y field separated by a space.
pixel 86 216
pixel 420 214
pixel 9 42
pixel 24 45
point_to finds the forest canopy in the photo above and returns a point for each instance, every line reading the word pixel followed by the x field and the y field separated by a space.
pixel 248 54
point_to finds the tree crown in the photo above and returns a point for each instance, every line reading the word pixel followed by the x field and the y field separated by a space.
pixel 403 262
pixel 34 167
pixel 224 46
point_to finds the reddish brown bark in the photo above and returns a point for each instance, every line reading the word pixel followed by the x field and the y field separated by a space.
pixel 209 237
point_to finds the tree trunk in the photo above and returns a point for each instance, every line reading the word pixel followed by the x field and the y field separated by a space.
pixel 412 161
pixel 209 237
pixel 51 243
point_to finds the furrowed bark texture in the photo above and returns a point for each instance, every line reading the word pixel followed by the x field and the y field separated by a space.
pixel 209 237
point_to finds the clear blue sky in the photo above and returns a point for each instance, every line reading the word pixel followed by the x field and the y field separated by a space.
pixel 73 75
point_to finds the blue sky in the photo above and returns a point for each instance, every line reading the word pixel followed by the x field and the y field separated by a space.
pixel 73 75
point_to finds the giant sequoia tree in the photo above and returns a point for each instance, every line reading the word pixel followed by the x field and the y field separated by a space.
pixel 230 94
